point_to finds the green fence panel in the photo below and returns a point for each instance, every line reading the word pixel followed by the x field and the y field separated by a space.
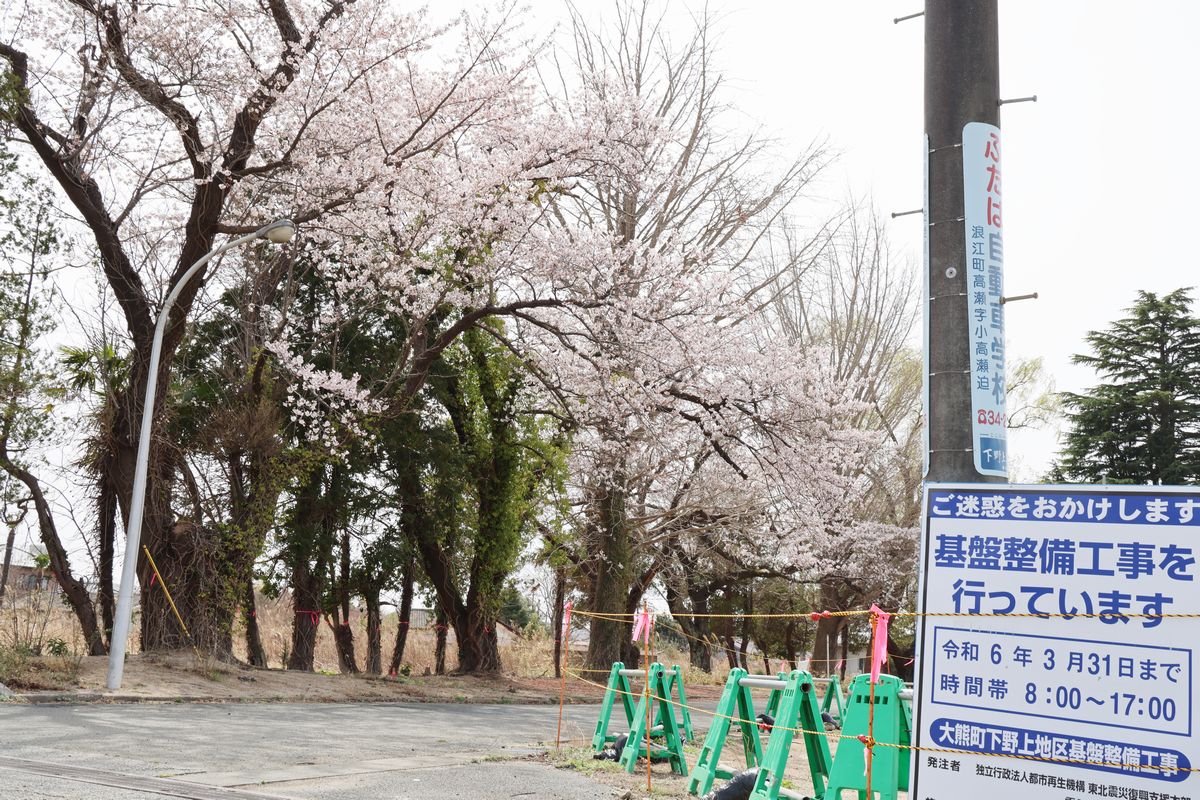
pixel 892 725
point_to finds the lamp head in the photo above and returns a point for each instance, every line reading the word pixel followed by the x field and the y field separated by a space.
pixel 281 231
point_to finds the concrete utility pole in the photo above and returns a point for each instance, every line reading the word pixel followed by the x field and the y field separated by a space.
pixel 961 86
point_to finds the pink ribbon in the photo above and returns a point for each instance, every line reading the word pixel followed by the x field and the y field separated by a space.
pixel 879 623
pixel 641 629
pixel 566 631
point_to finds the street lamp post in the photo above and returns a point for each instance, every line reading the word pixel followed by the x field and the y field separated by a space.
pixel 279 232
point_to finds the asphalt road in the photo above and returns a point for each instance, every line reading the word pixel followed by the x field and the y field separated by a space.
pixel 293 751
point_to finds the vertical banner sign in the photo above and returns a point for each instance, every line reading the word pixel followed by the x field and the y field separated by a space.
pixel 1049 665
pixel 985 288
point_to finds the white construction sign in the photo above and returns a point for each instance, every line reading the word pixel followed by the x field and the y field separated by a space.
pixel 1049 662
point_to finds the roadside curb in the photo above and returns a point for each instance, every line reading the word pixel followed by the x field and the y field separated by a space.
pixel 101 698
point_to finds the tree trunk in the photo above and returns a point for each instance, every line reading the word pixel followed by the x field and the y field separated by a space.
pixel 696 628
pixel 201 578
pixel 312 540
pixel 825 637
pixel 562 639
pixel 374 664
pixel 343 639
pixel 73 589
pixel 700 652
pixel 474 630
pixel 844 659
pixel 901 658
pixel 343 633
pixel 107 509
pixel 631 654
pixel 745 646
pixel 306 600
pixel 730 644
pixel 203 586
pixel 789 643
pixel 439 647
pixel 256 654
pixel 404 621
pixel 611 585
pixel 478 646
pixel 824 647
pixel 8 551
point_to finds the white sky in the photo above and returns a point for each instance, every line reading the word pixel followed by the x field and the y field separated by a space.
pixel 1096 189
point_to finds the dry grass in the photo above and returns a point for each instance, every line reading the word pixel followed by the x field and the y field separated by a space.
pixel 40 624
pixel 40 643
pixel 523 657
pixel 275 617
pixel 37 622
pixel 528 666
pixel 21 670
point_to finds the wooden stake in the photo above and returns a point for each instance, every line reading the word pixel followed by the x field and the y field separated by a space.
pixel 564 661
pixel 562 692
pixel 649 713
pixel 871 715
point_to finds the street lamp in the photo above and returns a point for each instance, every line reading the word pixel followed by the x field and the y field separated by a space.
pixel 279 232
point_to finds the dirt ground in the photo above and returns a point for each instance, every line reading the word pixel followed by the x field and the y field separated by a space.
pixel 183 678
pixel 664 783
pixel 43 628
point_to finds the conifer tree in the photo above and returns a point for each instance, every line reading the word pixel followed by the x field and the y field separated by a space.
pixel 1141 424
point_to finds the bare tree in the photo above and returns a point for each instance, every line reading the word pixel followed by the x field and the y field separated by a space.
pixel 858 303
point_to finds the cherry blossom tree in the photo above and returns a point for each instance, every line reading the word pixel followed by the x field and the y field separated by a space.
pixel 166 126
pixel 690 418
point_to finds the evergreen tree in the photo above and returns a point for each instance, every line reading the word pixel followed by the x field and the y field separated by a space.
pixel 1142 423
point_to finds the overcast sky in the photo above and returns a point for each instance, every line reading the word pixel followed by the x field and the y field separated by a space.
pixel 1098 173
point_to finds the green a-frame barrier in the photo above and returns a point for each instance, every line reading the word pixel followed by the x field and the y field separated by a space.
pixel 834 703
pixel 793 704
pixel 618 689
pixel 638 744
pixel 893 725
pixel 798 709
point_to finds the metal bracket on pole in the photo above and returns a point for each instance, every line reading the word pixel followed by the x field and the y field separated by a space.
pixel 906 213
pixel 898 20
pixel 1016 297
pixel 1031 99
